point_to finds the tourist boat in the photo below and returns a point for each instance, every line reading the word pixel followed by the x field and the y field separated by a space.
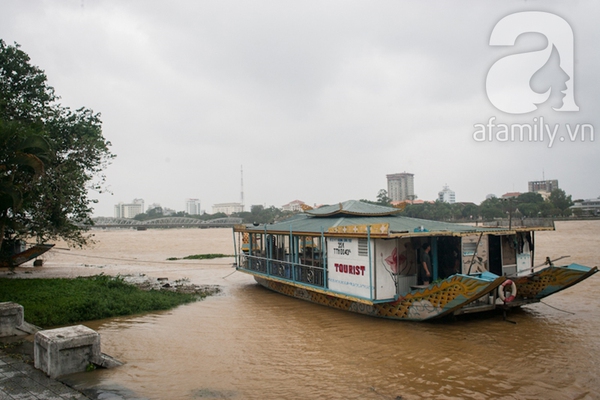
pixel 362 257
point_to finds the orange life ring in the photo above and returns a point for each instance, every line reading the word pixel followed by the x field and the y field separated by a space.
pixel 513 291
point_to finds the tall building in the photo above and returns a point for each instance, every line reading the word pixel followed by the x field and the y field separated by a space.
pixel 401 186
pixel 192 206
pixel 447 195
pixel 130 210
pixel 543 186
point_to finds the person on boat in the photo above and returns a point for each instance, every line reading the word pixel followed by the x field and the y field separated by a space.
pixel 425 267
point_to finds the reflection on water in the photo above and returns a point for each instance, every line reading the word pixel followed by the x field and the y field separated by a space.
pixel 250 343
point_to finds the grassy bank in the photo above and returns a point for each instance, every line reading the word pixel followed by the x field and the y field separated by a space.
pixel 53 302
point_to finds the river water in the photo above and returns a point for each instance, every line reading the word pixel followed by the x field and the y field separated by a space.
pixel 250 343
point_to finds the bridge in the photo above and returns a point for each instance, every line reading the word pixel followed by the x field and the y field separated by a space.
pixel 168 222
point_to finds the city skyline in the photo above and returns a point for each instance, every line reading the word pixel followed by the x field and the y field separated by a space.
pixel 319 105
pixel 446 195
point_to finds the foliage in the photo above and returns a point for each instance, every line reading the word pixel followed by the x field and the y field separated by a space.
pixel 561 202
pixel 51 157
pixel 492 208
pixel 53 302
pixel 529 205
pixel 383 199
pixel 260 215
pixel 158 212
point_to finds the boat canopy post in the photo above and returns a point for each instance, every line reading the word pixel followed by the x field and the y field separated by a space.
pixel 250 243
pixel 235 249
pixel 291 257
pixel 370 263
pixel 323 256
pixel 532 248
pixel 268 247
pixel 434 258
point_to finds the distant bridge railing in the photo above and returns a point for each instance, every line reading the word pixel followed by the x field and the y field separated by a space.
pixel 168 222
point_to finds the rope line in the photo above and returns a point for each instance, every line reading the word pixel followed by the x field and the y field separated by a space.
pixel 558 309
pixel 136 260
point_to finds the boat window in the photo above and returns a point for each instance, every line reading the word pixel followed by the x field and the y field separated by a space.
pixel 474 254
pixel 310 251
pixel 280 247
pixel 448 256
pixel 509 250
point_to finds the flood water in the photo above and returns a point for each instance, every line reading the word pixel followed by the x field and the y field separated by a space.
pixel 250 343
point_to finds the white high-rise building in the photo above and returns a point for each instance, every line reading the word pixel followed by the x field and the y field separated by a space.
pixel 192 206
pixel 447 195
pixel 401 186
pixel 130 210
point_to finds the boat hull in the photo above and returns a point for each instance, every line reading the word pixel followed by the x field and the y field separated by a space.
pixel 27 255
pixel 434 301
pixel 550 280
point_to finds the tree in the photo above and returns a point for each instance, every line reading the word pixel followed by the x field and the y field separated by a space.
pixel 383 199
pixel 470 211
pixel 530 204
pixel 51 157
pixel 559 199
pixel 260 215
pixel 492 208
pixel 530 197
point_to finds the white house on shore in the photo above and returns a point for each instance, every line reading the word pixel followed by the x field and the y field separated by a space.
pixel 228 208
pixel 586 207
pixel 130 210
pixel 295 205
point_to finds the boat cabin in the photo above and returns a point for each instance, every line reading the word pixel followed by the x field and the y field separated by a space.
pixel 369 252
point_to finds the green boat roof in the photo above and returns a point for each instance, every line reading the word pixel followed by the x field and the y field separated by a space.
pixel 352 214
pixel 353 208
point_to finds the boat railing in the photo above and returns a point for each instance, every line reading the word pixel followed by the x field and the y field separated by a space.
pixel 295 272
pixel 521 223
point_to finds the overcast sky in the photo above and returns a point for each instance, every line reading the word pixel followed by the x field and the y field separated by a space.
pixel 318 101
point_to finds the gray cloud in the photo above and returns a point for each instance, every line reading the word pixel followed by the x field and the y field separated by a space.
pixel 317 100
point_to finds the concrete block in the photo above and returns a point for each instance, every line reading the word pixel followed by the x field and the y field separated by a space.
pixel 11 317
pixel 67 350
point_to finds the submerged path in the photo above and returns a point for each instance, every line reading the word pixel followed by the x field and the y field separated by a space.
pixel 20 380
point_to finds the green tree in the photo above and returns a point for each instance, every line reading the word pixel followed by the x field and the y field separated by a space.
pixel 383 199
pixel 492 208
pixel 51 157
pixel 470 211
pixel 529 204
pixel 260 215
pixel 530 197
pixel 561 202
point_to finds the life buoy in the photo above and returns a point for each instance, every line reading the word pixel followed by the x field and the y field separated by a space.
pixel 513 291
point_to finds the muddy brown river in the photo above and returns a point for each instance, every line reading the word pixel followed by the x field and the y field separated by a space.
pixel 249 343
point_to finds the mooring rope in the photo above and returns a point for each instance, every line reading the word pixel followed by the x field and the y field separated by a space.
pixel 137 260
pixel 558 309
